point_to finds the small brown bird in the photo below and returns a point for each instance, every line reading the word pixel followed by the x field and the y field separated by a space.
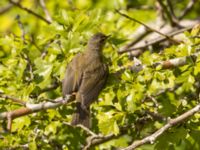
pixel 86 75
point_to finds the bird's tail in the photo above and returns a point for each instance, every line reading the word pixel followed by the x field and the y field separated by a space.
pixel 81 116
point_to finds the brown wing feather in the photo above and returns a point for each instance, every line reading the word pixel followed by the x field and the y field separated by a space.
pixel 73 76
pixel 92 83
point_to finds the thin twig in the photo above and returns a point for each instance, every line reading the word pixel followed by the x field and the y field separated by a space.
pixel 51 87
pixel 50 41
pixel 17 4
pixel 87 130
pixel 148 27
pixel 155 41
pixel 21 28
pixel 30 68
pixel 16 100
pixel 171 11
pixel 156 116
pixel 99 139
pixel 5 9
pixel 139 37
pixel 187 9
pixel 43 5
pixel 32 40
pixel 169 16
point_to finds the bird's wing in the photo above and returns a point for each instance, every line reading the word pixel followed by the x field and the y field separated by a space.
pixel 73 76
pixel 92 83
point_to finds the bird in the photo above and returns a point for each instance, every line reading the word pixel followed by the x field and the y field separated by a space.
pixel 86 76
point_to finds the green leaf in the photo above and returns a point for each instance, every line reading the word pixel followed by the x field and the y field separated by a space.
pixel 131 106
pixel 33 145
pixel 52 127
pixel 19 123
pixel 107 122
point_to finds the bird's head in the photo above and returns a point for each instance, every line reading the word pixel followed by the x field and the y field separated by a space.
pixel 97 41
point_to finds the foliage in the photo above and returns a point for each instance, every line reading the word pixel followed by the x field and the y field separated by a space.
pixel 34 54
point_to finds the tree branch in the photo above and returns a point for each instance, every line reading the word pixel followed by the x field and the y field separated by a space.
pixel 168 64
pixel 17 4
pixel 94 139
pixel 148 27
pixel 171 11
pixel 9 124
pixel 177 62
pixel 187 9
pixel 31 108
pixel 21 26
pixel 43 5
pixel 5 9
pixel 169 15
pixel 151 138
pixel 98 139
pixel 143 32
pixel 152 42
pixel 13 99
pixel 52 87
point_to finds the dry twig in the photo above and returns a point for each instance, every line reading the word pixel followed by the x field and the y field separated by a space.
pixel 187 9
pixel 17 4
pixel 148 27
pixel 43 5
pixel 152 42
pixel 16 100
pixel 5 9
pixel 170 14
